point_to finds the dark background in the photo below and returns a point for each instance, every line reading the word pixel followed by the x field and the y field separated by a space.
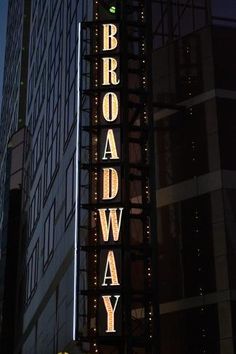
pixel 226 9
pixel 3 23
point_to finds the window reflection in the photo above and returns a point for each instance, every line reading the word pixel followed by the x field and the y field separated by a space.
pixel 190 331
pixel 224 9
pixel 173 19
pixel 182 146
pixel 186 255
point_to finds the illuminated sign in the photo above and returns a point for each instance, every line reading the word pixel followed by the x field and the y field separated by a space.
pixel 110 219
pixel 116 254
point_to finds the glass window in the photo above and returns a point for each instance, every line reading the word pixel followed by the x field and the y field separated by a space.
pixel 191 331
pixel 70 112
pixel 49 227
pixel 31 87
pixel 186 254
pixel 70 189
pixel 52 151
pixel 174 19
pixel 35 208
pixel 224 61
pixel 227 132
pixel 32 273
pixel 37 151
pixel 181 146
pixel 52 157
pixel 71 70
pixel 229 197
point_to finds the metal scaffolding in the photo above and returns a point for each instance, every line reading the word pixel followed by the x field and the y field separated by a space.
pixel 138 332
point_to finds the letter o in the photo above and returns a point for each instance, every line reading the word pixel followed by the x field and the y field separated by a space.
pixel 110 107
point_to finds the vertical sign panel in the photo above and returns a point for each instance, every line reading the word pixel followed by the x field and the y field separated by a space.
pixel 117 296
pixel 109 170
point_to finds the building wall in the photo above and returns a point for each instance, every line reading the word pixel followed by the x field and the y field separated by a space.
pixel 12 115
pixel 49 200
pixel 194 89
pixel 11 89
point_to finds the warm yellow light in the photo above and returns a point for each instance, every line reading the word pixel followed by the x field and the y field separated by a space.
pixel 111 264
pixel 110 152
pixel 109 71
pixel 110 312
pixel 109 40
pixel 113 222
pixel 110 183
pixel 110 107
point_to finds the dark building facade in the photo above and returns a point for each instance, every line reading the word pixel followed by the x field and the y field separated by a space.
pixel 11 151
pixel 194 89
pixel 194 101
pixel 49 182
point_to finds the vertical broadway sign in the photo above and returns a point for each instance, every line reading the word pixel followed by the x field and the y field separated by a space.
pixel 110 217
pixel 117 302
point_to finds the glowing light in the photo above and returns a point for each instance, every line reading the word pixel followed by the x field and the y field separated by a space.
pixel 110 312
pixel 109 71
pixel 110 147
pixel 110 183
pixel 109 40
pixel 110 107
pixel 111 263
pixel 110 218
pixel 112 9
pixel 113 222
pixel 76 187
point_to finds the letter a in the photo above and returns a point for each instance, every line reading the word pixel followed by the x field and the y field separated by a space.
pixel 111 263
pixel 110 147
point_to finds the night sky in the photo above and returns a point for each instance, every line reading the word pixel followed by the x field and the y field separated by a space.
pixel 3 23
pixel 224 8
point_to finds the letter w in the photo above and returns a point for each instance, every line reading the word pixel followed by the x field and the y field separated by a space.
pixel 112 222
